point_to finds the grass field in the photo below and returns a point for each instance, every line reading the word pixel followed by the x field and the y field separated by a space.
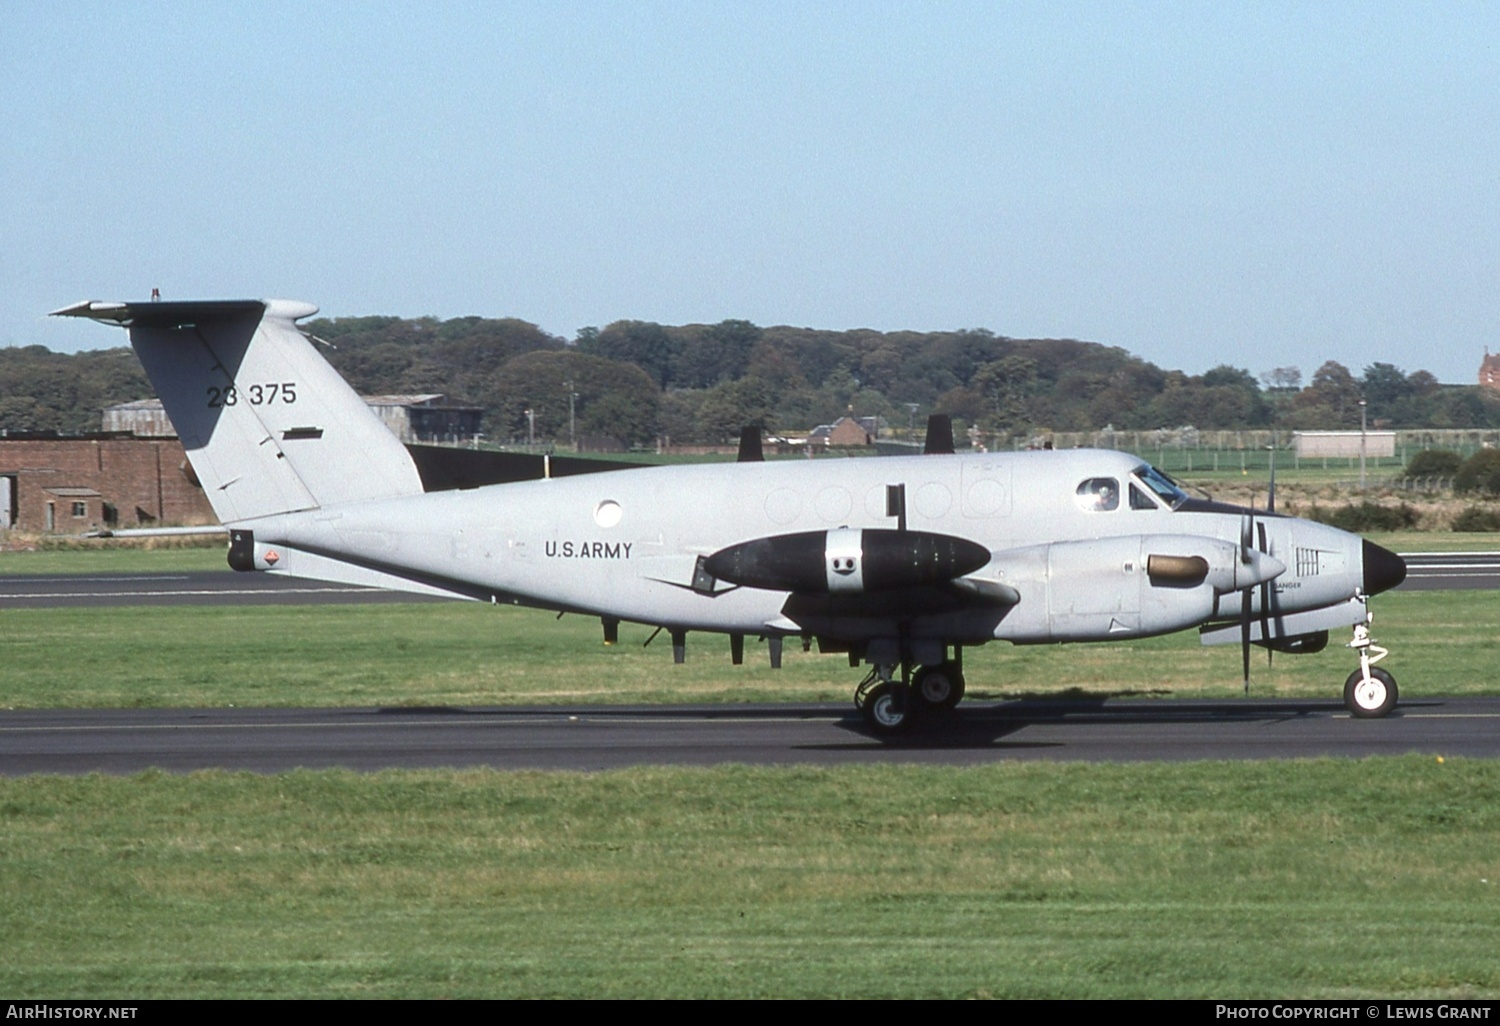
pixel 472 654
pixel 1314 879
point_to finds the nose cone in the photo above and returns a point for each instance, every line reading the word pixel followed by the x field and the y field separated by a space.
pixel 1383 569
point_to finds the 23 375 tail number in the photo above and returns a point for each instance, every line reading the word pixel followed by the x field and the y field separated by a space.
pixel 255 395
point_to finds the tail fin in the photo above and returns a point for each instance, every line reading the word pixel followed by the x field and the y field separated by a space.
pixel 269 426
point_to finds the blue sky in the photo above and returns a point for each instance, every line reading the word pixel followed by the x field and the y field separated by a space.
pixel 1256 184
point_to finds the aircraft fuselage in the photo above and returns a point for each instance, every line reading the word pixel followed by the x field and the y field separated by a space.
pixel 1071 534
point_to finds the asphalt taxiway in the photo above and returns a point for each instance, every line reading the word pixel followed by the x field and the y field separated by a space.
pixel 599 738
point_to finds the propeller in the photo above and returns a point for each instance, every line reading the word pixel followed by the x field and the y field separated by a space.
pixel 1253 556
pixel 1247 540
pixel 1267 596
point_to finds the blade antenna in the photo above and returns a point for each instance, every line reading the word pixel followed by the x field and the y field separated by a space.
pixel 750 447
pixel 939 440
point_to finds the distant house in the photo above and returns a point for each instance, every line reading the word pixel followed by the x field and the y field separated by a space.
pixel 847 431
pixel 1489 371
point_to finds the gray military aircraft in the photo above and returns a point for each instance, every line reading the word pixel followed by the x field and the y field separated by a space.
pixel 901 562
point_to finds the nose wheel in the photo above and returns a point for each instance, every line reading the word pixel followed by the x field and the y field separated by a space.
pixel 1370 692
pixel 1370 697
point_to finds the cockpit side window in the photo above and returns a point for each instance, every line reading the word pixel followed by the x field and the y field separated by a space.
pixel 1099 494
pixel 1162 486
pixel 1139 499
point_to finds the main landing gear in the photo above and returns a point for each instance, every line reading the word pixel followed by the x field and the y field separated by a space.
pixel 1369 692
pixel 891 706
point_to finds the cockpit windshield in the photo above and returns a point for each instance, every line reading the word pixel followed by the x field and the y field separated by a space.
pixel 1167 490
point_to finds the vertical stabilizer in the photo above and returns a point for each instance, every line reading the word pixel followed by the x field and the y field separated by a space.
pixel 269 426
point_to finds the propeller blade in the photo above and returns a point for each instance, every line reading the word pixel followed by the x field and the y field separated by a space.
pixel 1245 637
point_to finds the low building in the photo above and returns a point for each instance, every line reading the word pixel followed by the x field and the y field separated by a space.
pixel 144 418
pixel 1313 444
pixel 77 484
pixel 427 418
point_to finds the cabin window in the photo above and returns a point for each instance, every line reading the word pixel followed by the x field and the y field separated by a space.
pixel 1099 494
pixel 80 509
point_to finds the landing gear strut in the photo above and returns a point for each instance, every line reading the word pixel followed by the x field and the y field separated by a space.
pixel 1369 693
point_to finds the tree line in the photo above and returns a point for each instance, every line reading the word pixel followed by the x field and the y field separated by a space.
pixel 639 381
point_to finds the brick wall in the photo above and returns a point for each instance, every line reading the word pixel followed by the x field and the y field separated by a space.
pixel 141 478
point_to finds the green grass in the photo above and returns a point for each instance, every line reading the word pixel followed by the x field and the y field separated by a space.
pixel 473 654
pixel 104 557
pixel 1322 879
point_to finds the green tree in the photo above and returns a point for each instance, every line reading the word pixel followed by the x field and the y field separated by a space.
pixel 618 400
pixel 643 343
pixel 1479 473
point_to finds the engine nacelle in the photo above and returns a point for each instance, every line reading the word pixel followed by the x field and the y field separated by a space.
pixel 1126 586
pixel 847 560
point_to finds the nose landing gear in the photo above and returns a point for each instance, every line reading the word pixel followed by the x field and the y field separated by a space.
pixel 1369 693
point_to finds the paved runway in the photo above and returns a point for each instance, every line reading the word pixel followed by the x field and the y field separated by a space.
pixel 188 588
pixel 1451 571
pixel 597 738
pixel 1425 572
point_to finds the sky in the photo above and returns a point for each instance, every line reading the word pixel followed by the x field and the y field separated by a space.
pixel 1257 184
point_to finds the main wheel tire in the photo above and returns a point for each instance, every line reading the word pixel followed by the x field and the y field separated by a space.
pixel 1373 698
pixel 888 711
pixel 941 686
